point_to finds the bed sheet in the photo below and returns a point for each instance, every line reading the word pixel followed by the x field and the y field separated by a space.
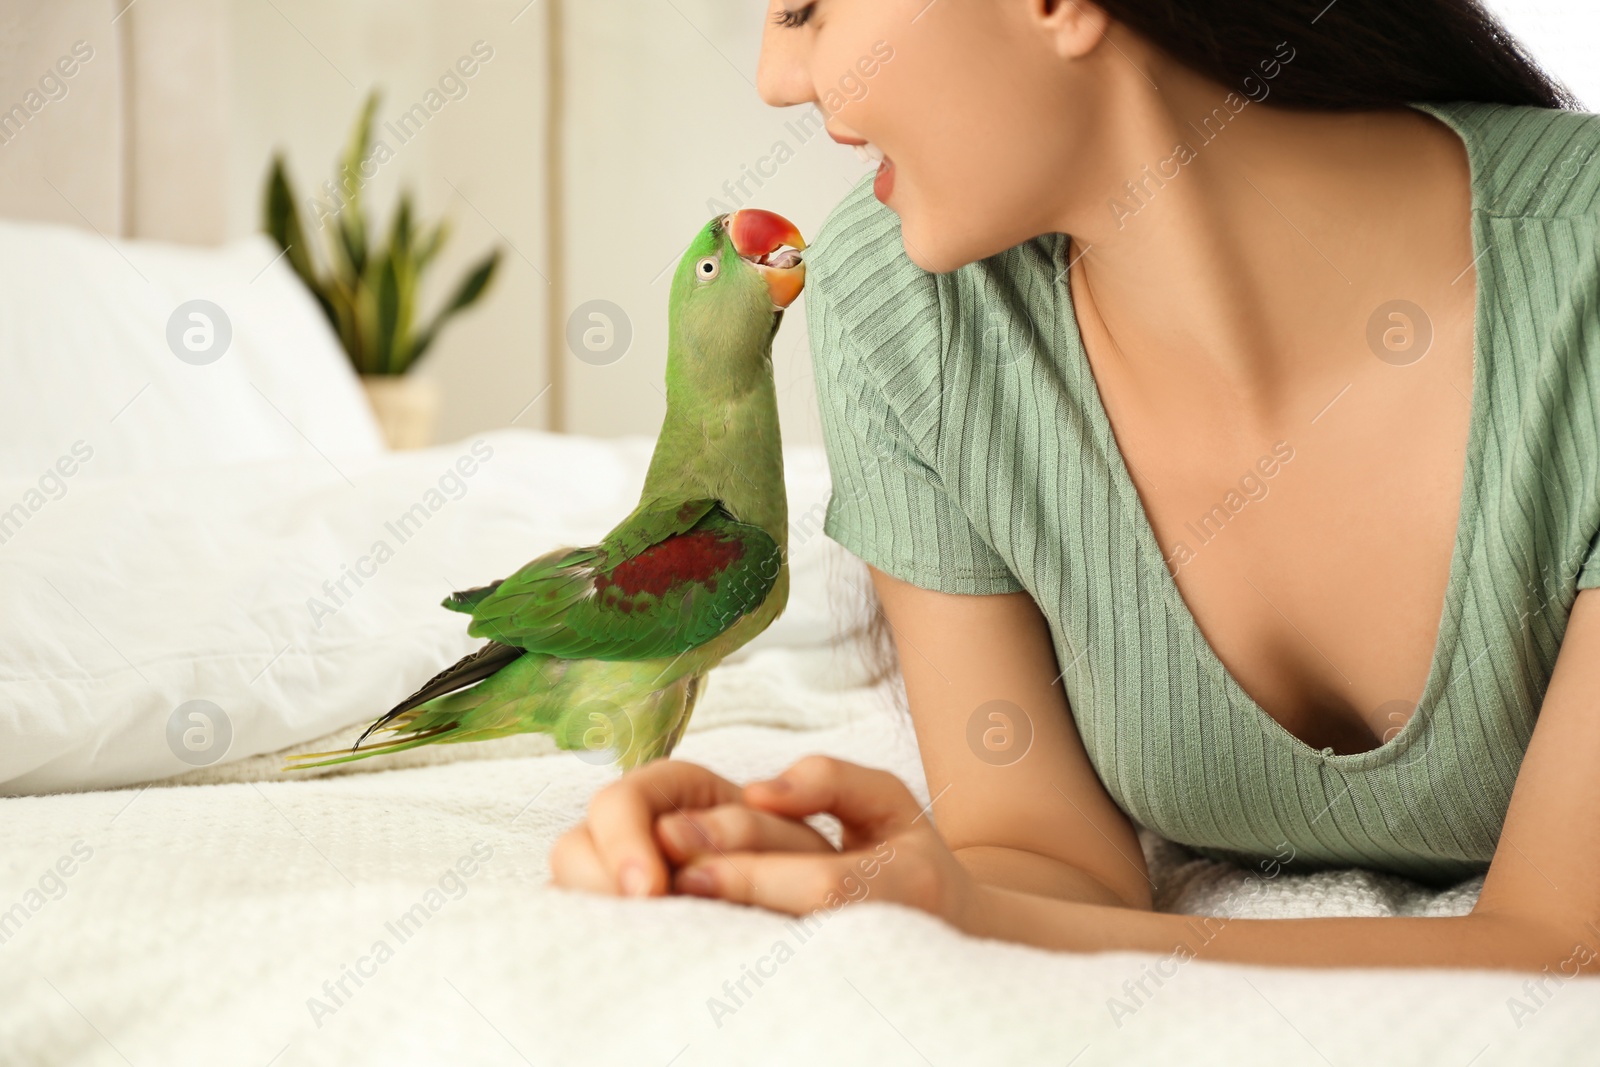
pixel 401 914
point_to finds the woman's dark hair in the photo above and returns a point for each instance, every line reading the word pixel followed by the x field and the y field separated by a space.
pixel 1347 54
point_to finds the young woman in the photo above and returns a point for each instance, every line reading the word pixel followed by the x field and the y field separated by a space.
pixel 1214 391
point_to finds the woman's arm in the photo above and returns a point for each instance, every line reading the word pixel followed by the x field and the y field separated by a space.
pixel 1014 794
pixel 1027 872
pixel 1540 905
pixel 1540 902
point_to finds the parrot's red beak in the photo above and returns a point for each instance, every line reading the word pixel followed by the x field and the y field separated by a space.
pixel 772 244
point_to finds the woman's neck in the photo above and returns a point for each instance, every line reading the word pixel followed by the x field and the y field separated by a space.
pixel 1247 241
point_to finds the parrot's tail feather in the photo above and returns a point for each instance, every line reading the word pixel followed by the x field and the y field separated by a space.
pixel 307 760
pixel 467 599
pixel 470 669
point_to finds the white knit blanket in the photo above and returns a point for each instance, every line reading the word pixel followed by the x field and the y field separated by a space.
pixel 396 911
pixel 398 916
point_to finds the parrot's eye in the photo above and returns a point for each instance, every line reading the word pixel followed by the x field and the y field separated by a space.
pixel 707 268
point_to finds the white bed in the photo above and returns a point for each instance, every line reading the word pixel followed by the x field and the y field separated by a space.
pixel 155 912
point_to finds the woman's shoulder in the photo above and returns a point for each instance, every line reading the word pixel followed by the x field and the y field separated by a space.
pixel 1529 162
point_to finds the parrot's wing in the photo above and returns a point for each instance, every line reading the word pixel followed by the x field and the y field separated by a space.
pixel 671 577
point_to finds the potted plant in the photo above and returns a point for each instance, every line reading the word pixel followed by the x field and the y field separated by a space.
pixel 369 290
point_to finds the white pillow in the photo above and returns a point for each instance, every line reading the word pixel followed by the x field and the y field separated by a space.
pixel 92 388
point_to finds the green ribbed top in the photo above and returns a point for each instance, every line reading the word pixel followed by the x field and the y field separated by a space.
pixel 970 453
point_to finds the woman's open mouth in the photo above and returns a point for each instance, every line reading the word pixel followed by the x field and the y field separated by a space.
pixel 883 184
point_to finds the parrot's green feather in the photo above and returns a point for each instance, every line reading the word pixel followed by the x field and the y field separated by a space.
pixel 468 599
pixel 606 647
pixel 631 711
pixel 686 585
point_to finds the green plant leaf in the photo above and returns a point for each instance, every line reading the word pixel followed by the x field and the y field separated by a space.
pixel 365 309
pixel 352 228
pixel 370 295
pixel 470 290
pixel 386 316
pixel 401 232
pixel 281 222
pixel 407 278
pixel 429 246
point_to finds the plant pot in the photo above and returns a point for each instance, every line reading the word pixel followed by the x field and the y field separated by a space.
pixel 406 407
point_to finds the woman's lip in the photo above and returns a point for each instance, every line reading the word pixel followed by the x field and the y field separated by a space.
pixel 883 184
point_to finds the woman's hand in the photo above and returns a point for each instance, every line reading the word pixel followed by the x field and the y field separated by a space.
pixel 615 850
pixel 671 825
pixel 624 847
pixel 759 852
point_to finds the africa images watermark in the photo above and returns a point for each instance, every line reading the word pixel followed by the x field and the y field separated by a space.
pixel 52 87
pixel 453 84
pixel 452 885
pixel 851 88
pixel 1538 992
pixel 1210 525
pixel 736 992
pixel 452 485
pixel 1139 193
pixel 51 886
pixel 51 485
pixel 1137 992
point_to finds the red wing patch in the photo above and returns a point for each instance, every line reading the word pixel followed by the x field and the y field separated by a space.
pixel 697 556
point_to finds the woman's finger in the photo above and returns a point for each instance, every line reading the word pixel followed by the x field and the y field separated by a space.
pixel 734 828
pixel 622 819
pixel 870 804
pixel 574 863
pixel 790 882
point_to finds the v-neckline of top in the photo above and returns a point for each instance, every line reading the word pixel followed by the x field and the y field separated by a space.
pixel 1419 723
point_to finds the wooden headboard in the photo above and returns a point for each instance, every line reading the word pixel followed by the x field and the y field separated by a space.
pixel 80 81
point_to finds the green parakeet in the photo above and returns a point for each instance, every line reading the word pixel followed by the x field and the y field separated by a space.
pixel 607 647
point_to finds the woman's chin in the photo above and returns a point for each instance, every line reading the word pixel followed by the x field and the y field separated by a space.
pixel 935 252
